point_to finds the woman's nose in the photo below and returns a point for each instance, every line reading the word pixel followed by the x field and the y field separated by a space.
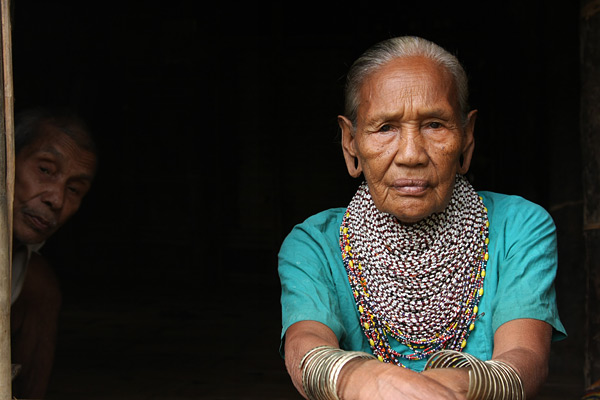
pixel 410 150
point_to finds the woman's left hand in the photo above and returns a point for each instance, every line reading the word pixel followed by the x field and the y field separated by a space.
pixel 455 379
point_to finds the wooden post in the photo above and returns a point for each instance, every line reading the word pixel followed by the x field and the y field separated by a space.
pixel 9 125
pixel 6 198
pixel 590 141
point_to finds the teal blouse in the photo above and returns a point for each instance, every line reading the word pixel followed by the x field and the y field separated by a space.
pixel 519 281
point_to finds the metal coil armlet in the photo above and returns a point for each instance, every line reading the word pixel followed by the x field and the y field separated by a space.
pixel 488 380
pixel 321 368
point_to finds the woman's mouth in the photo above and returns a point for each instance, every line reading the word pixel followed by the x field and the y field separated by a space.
pixel 412 187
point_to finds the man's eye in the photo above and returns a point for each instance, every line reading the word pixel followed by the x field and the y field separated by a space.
pixel 386 128
pixel 73 190
pixel 435 125
pixel 44 170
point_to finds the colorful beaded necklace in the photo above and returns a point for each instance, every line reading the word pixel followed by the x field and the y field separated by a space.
pixel 421 283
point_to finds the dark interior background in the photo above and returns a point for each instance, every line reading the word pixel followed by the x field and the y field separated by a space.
pixel 217 131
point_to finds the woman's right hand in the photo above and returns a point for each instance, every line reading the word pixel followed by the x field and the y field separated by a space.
pixel 371 379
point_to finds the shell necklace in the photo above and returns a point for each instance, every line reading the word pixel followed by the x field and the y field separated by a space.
pixel 419 284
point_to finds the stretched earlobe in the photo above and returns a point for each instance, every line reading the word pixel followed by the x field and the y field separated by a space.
pixel 464 161
pixel 348 147
pixel 354 168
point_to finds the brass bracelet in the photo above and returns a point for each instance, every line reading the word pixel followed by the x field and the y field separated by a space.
pixel 321 368
pixel 489 380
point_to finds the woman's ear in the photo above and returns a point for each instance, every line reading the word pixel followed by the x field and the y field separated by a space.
pixel 468 145
pixel 348 147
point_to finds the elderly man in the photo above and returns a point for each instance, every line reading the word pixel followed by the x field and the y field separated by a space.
pixel 54 166
pixel 422 287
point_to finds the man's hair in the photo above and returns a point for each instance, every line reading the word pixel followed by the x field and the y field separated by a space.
pixel 29 122
pixel 401 47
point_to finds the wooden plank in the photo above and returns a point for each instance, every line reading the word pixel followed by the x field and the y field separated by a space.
pixel 5 204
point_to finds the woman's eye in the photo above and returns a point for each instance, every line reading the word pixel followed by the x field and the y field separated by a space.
pixel 44 170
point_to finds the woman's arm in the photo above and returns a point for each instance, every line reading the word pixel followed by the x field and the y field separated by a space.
pixel 525 345
pixel 299 339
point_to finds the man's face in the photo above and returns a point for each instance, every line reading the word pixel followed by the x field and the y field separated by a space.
pixel 409 138
pixel 52 175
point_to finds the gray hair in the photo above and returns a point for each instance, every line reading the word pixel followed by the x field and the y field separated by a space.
pixel 28 123
pixel 400 47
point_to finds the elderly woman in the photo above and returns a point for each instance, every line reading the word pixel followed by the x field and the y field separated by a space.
pixel 421 288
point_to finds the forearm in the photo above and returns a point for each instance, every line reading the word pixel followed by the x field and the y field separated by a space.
pixel 521 344
pixel 525 345
pixel 529 365
pixel 306 335
pixel 299 339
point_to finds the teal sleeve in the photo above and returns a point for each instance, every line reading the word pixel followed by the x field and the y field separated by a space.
pixel 308 291
pixel 528 265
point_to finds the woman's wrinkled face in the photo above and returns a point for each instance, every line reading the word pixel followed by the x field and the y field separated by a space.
pixel 409 139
